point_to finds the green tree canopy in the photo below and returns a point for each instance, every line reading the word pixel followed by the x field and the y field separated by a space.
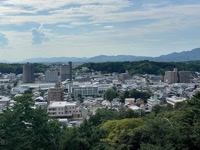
pixel 110 94
pixel 23 127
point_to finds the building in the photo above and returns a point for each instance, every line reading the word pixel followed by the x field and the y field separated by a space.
pixel 64 109
pixel 28 73
pixel 124 76
pixel 4 103
pixel 66 72
pixel 51 75
pixel 85 90
pixel 153 101
pixel 69 75
pixel 174 100
pixel 55 93
pixel 129 100
pixel 177 77
pixel 171 76
pixel 103 87
pixel 184 76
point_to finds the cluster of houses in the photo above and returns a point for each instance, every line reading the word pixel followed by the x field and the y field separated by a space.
pixel 72 101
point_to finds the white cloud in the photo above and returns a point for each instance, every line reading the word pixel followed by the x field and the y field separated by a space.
pixel 102 24
pixel 38 36
pixel 53 4
pixel 108 27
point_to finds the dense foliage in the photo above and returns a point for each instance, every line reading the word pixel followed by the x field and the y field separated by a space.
pixel 142 67
pixel 23 127
pixel 18 68
pixel 136 94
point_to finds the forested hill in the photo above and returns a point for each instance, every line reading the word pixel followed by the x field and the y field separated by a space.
pixel 135 67
pixel 142 67
pixel 18 68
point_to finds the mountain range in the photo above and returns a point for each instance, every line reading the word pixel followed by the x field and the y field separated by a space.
pixel 191 55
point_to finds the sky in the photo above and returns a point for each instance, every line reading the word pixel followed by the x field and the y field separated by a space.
pixel 86 28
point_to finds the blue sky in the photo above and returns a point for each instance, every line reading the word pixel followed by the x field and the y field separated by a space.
pixel 85 28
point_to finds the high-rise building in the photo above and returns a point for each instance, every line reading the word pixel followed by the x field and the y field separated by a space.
pixel 56 93
pixel 184 76
pixel 51 75
pixel 28 73
pixel 70 71
pixel 171 76
pixel 177 77
pixel 66 72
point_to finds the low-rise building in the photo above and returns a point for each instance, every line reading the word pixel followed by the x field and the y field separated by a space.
pixel 63 109
pixel 129 100
pixel 4 103
pixel 174 100
pixel 152 101
pixel 84 90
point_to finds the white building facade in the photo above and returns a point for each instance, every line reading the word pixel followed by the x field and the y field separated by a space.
pixel 63 109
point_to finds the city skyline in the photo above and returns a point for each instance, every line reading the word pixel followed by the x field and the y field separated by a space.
pixel 75 28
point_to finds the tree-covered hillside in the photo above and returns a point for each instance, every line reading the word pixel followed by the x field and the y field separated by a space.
pixel 142 67
pixel 18 68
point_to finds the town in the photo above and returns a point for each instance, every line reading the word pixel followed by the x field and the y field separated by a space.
pixel 73 95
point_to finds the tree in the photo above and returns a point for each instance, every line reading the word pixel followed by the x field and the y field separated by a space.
pixel 124 95
pixel 110 94
pixel 87 136
pixel 157 109
pixel 24 127
pixel 103 115
pixel 123 134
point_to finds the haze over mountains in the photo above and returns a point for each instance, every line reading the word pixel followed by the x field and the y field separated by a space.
pixel 173 57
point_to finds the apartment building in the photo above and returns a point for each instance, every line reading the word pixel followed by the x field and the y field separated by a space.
pixel 177 76
pixel 56 93
pixel 184 76
pixel 171 76
pixel 51 75
pixel 66 72
pixel 28 73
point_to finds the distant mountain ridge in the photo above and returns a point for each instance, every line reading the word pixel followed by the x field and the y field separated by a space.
pixel 192 55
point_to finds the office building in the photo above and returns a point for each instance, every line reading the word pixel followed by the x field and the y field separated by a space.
pixel 28 73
